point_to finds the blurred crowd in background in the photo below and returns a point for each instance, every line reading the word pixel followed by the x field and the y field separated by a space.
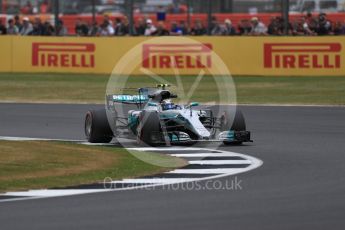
pixel 78 7
pixel 306 25
pixel 154 17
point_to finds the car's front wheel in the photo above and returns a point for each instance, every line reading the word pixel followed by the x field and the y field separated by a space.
pixel 234 122
pixel 149 129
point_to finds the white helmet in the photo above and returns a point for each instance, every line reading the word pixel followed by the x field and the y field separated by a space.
pixel 167 105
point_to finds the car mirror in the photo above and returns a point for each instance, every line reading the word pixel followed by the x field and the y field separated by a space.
pixel 194 104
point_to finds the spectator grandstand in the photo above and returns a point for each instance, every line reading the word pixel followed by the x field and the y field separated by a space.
pixel 222 25
pixel 171 17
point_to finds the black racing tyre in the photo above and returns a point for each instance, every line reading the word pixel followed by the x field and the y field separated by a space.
pixel 235 123
pixel 149 129
pixel 97 129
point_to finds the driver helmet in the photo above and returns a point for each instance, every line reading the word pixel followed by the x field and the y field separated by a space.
pixel 167 105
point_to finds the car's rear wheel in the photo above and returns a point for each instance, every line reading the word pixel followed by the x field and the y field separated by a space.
pixel 97 129
pixel 233 122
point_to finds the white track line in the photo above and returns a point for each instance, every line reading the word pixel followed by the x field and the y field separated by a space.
pixel 54 192
pixel 7 138
pixel 225 171
pixel 219 162
pixel 223 154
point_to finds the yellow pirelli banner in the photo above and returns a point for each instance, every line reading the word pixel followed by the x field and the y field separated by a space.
pixel 273 56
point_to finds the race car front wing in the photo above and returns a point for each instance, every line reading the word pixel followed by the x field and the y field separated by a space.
pixel 182 137
pixel 235 136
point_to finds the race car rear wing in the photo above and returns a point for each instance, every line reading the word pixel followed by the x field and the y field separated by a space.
pixel 128 99
pixel 140 99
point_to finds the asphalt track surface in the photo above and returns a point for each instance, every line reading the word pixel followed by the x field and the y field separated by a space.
pixel 301 184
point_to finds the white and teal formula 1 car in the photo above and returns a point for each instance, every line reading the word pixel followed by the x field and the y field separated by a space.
pixel 156 120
